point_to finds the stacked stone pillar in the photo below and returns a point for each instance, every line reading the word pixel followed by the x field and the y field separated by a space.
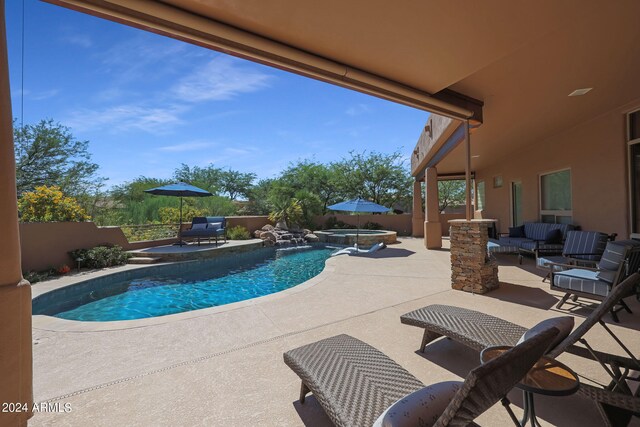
pixel 472 270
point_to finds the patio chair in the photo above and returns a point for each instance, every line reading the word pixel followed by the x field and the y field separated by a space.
pixel 479 331
pixel 582 248
pixel 357 384
pixel 618 261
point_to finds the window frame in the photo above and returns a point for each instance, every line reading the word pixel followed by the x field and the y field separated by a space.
pixel 630 183
pixel 555 212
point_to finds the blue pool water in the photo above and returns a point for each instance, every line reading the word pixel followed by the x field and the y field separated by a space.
pixel 202 288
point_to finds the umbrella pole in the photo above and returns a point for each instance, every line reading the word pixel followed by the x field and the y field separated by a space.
pixel 180 225
pixel 358 231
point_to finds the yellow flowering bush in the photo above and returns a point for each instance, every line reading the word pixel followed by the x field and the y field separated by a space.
pixel 49 204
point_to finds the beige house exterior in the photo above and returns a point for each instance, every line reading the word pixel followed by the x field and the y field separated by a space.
pixel 504 69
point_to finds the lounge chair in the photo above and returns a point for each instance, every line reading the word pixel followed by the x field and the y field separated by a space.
pixel 357 385
pixel 356 251
pixel 207 227
pixel 581 248
pixel 478 331
pixel 618 261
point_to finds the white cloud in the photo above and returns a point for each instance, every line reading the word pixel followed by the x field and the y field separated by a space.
pixel 44 95
pixel 81 40
pixel 156 120
pixel 358 109
pixel 220 79
pixel 188 146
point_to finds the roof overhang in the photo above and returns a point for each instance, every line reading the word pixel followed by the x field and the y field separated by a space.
pixel 205 31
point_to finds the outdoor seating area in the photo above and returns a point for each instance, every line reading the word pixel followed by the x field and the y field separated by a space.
pixel 334 307
pixel 206 228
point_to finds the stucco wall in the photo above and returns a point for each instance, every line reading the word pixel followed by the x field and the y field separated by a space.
pixel 398 223
pixel 596 153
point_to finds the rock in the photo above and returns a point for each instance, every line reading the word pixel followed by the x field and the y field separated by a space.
pixel 311 237
pixel 268 227
pixel 269 235
pixel 286 236
pixel 257 233
pixel 269 242
pixel 282 225
pixel 306 231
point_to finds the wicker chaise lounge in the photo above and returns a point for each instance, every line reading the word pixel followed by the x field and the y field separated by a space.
pixel 477 330
pixel 357 385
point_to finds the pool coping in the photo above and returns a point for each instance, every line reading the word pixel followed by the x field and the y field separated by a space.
pixel 55 324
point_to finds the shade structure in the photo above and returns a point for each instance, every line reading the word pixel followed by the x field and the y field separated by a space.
pixel 359 205
pixel 179 189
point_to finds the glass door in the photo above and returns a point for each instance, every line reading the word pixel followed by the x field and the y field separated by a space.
pixel 516 203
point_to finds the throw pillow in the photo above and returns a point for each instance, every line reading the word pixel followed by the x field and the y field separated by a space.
pixel 214 225
pixel 516 231
pixel 553 236
pixel 199 226
pixel 563 324
pixel 420 408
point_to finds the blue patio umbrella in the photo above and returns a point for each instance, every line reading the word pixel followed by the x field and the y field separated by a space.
pixel 359 205
pixel 179 189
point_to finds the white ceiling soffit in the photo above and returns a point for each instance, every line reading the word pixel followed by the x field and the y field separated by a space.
pixel 192 28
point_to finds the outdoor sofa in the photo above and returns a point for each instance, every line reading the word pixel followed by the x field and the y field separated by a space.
pixel 207 227
pixel 531 238
pixel 616 402
pixel 357 384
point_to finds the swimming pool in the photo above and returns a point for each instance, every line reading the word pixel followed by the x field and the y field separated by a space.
pixel 177 288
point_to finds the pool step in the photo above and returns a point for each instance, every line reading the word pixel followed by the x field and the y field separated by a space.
pixel 144 260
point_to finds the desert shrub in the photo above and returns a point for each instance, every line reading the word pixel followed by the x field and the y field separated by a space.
pixel 100 256
pixel 238 233
pixel 38 276
pixel 370 225
pixel 49 204
pixel 333 222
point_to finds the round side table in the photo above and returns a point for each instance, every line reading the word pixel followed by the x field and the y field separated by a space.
pixel 547 377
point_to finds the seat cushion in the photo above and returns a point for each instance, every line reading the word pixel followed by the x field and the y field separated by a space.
pixel 420 408
pixel 494 246
pixel 563 324
pixel 543 262
pixel 612 257
pixel 582 281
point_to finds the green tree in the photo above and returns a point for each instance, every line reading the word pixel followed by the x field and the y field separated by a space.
pixel 209 178
pixel 451 193
pixel 314 180
pixel 235 184
pixel 48 154
pixel 381 178
pixel 258 198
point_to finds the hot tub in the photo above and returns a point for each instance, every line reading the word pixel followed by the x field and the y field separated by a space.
pixel 366 238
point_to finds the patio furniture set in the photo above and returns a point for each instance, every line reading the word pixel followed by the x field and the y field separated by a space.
pixel 205 228
pixel 586 264
pixel 358 385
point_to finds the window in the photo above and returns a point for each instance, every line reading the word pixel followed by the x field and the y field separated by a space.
pixel 480 189
pixel 633 141
pixel 555 197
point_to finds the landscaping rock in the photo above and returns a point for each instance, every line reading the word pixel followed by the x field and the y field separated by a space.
pixel 268 227
pixel 269 235
pixel 311 237
pixel 257 234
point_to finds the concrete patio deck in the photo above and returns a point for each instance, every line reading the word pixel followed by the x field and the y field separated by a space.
pixel 226 368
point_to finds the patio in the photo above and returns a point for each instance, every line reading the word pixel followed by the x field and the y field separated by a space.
pixel 226 368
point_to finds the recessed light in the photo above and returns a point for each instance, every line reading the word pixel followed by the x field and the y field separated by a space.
pixel 580 92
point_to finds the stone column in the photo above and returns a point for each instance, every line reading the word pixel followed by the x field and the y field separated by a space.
pixel 417 219
pixel 432 228
pixel 16 365
pixel 472 270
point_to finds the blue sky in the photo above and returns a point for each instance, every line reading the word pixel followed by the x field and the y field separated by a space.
pixel 148 103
